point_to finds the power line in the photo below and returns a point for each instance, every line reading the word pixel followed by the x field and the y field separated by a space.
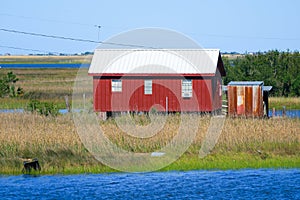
pixel 48 36
pixel 73 39
pixel 60 22
pixel 86 40
pixel 244 37
pixel 53 52
pixel 191 33
pixel 98 26
pixel 27 49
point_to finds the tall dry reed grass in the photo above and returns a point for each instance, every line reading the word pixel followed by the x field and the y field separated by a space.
pixel 21 134
pixel 52 140
pixel 55 143
pixel 238 134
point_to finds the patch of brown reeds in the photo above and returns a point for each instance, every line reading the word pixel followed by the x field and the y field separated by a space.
pixel 55 141
pixel 52 140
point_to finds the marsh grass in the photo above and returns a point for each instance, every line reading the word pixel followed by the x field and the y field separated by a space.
pixel 45 59
pixel 45 85
pixel 243 143
pixel 52 140
pixel 231 161
pixel 290 103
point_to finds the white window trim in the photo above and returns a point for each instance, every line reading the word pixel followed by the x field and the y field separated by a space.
pixel 116 85
pixel 187 88
pixel 148 87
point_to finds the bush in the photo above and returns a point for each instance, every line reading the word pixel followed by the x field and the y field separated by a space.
pixel 42 108
pixel 7 86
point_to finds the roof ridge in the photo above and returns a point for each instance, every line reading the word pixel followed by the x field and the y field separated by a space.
pixel 157 49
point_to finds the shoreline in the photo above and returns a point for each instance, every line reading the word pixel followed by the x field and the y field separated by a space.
pixel 216 162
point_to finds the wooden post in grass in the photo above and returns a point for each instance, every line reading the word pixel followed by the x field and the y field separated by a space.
pixel 283 111
pixel 67 103
pixel 83 96
pixel 273 112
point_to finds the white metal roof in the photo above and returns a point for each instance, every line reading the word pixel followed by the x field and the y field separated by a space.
pixel 247 83
pixel 265 88
pixel 181 61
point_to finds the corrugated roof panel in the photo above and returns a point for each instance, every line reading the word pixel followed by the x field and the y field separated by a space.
pixel 267 88
pixel 245 83
pixel 182 61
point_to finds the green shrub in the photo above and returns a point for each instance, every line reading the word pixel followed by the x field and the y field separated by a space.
pixel 7 86
pixel 43 108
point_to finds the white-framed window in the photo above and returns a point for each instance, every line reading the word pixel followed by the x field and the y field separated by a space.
pixel 148 87
pixel 116 85
pixel 187 88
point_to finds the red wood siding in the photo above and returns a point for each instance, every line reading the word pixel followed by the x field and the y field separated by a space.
pixel 205 97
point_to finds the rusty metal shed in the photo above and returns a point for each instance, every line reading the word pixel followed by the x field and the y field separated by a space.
pixel 248 98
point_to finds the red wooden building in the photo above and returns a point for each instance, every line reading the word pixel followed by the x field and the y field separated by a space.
pixel 185 80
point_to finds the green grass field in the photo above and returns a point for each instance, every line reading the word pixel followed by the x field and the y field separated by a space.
pixel 46 85
pixel 291 103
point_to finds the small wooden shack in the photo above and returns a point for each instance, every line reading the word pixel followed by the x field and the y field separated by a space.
pixel 248 98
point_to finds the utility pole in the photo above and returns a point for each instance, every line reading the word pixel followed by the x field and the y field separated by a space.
pixel 98 26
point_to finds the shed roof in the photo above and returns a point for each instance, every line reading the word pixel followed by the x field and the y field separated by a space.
pixel 246 83
pixel 156 61
pixel 267 88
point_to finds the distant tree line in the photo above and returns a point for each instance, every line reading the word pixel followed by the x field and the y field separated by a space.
pixel 60 54
pixel 278 69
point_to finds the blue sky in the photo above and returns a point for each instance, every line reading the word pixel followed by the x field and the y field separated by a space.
pixel 231 25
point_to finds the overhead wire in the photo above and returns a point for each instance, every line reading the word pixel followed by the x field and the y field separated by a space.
pixel 108 43
pixel 118 44
pixel 73 39
pixel 245 37
pixel 191 33
pixel 28 49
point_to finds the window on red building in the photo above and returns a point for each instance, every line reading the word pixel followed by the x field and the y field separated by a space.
pixel 148 87
pixel 187 88
pixel 116 85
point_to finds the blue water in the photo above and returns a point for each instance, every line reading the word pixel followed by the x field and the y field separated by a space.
pixel 240 184
pixel 289 113
pixel 21 110
pixel 278 113
pixel 45 65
